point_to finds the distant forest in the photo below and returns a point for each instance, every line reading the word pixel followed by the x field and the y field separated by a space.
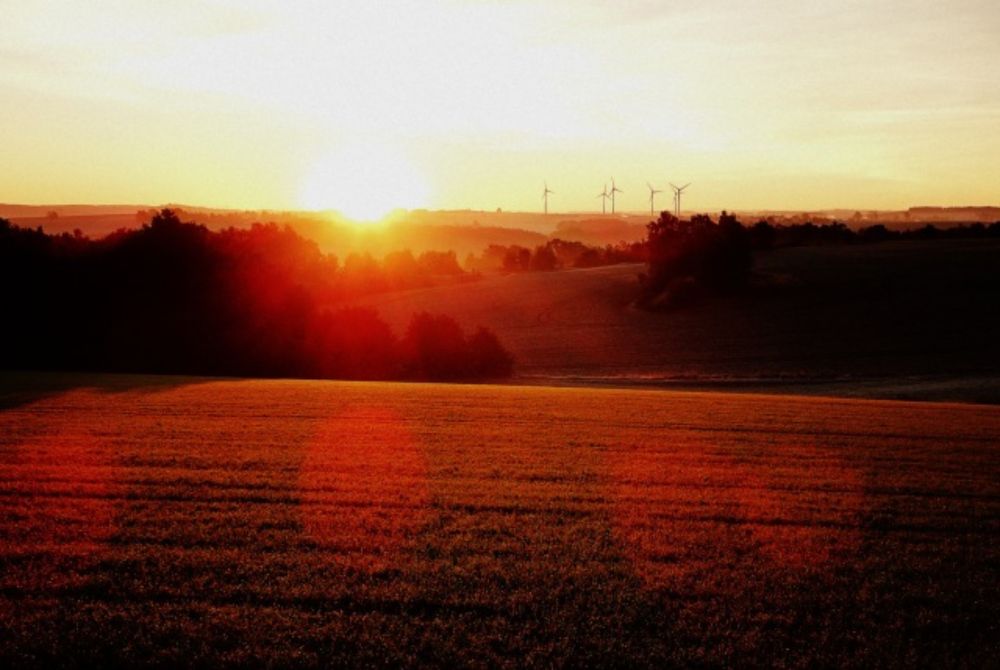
pixel 177 298
pixel 555 254
pixel 765 235
pixel 687 258
pixel 694 241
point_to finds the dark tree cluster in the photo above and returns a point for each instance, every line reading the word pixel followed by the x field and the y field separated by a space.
pixel 686 258
pixel 556 254
pixel 174 297
pixel 434 347
pixel 765 235
pixel 362 274
pixel 699 254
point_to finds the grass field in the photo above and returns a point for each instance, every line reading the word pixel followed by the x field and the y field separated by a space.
pixel 183 521
pixel 909 320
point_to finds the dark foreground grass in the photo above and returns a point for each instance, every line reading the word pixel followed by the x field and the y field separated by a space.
pixel 318 523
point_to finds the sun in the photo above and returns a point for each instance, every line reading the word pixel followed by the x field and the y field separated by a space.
pixel 364 182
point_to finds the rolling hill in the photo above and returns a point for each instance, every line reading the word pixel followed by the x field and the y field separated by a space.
pixel 905 320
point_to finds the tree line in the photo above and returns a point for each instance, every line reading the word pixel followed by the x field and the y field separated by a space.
pixel 686 258
pixel 556 254
pixel 175 297
pixel 765 235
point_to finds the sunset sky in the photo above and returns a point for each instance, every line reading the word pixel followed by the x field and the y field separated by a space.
pixel 365 106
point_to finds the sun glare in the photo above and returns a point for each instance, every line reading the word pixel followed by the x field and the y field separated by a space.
pixel 364 183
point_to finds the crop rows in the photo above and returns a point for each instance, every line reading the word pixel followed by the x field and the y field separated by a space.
pixel 383 524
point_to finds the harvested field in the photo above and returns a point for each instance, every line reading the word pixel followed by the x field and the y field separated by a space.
pixel 186 521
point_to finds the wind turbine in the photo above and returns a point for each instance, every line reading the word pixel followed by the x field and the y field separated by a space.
pixel 614 189
pixel 652 195
pixel 604 199
pixel 677 198
pixel 545 196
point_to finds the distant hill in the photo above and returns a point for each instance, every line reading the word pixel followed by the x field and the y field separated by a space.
pixel 462 231
pixel 381 239
pixel 11 211
pixel 93 225
pixel 423 231
pixel 602 231
pixel 955 214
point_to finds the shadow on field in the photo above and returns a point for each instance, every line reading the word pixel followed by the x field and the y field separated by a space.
pixel 20 387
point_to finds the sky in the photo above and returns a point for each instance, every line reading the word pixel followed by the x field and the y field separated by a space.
pixel 365 106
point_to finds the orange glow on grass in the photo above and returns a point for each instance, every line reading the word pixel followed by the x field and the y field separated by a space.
pixel 66 510
pixel 364 488
pixel 803 512
pixel 681 508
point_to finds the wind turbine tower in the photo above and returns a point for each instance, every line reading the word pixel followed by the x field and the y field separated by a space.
pixel 545 196
pixel 678 190
pixel 603 195
pixel 614 189
pixel 652 195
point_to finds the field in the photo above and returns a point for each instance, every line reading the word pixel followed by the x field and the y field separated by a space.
pixel 908 320
pixel 193 521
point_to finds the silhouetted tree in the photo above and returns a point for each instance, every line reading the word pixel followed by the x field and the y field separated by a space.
pixel 401 268
pixel 590 258
pixel 875 233
pixel 174 297
pixel 713 256
pixel 353 343
pixel 928 232
pixel 438 263
pixel 543 258
pixel 435 348
pixel 488 358
pixel 728 254
pixel 516 259
pixel 762 235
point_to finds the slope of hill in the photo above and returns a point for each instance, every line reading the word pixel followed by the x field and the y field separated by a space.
pixel 907 319
pixel 602 231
